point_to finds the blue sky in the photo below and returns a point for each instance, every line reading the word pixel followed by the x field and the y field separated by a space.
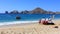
pixel 9 5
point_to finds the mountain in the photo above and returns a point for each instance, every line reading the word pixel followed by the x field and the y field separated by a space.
pixel 14 12
pixel 37 10
pixel 25 12
pixel 58 12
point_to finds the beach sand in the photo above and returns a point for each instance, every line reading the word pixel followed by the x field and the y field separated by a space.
pixel 31 28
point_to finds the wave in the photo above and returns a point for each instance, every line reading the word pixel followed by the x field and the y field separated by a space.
pixel 17 22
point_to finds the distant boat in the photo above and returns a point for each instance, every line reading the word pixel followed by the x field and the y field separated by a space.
pixel 18 17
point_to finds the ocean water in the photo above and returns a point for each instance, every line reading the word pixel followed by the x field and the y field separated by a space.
pixel 25 17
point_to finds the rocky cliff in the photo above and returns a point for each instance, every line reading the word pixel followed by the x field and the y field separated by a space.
pixel 35 11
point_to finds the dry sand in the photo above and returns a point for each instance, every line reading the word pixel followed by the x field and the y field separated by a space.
pixel 33 28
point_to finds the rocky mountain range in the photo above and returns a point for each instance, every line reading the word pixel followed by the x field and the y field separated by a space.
pixel 37 10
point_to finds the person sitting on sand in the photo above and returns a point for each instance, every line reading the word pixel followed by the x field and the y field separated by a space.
pixel 50 22
pixel 46 20
pixel 42 20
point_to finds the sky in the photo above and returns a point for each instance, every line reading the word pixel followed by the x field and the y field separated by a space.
pixel 10 5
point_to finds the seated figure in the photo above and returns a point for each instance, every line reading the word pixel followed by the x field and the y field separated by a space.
pixel 42 21
pixel 50 22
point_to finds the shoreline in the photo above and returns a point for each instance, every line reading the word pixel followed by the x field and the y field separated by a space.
pixel 17 22
pixel 25 22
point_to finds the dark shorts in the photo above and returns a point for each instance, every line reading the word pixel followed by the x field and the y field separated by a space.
pixel 50 23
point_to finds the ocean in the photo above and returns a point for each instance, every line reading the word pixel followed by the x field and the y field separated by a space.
pixel 25 17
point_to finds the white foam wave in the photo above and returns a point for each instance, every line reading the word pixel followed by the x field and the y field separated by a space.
pixel 17 22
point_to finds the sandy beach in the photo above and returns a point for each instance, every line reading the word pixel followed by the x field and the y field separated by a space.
pixel 31 28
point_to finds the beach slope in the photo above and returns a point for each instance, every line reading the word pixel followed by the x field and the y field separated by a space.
pixel 30 28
